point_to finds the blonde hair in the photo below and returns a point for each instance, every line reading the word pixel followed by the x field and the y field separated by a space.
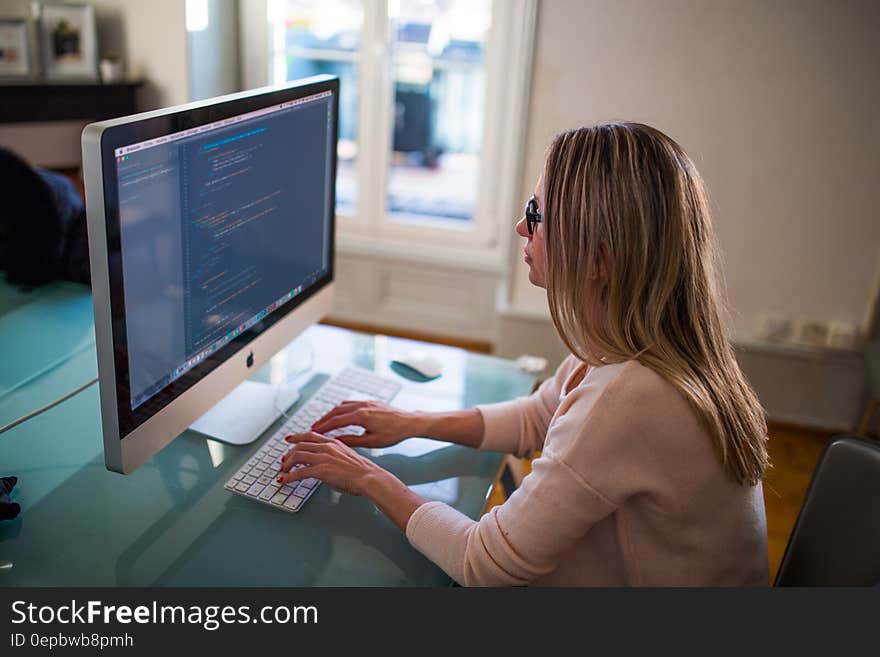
pixel 626 198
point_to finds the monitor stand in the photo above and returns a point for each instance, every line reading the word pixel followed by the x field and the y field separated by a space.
pixel 244 414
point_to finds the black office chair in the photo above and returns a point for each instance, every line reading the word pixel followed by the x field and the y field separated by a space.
pixel 836 539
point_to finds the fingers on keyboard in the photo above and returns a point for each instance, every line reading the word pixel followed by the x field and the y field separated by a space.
pixel 256 479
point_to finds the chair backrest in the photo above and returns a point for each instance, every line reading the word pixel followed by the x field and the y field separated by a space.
pixel 836 539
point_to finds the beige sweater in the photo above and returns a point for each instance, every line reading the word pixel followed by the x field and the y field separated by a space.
pixel 628 491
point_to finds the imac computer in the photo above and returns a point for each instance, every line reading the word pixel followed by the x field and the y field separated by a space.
pixel 211 240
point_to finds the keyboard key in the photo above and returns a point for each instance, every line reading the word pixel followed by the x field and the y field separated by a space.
pixel 255 489
pixel 293 502
pixel 269 492
pixel 301 491
pixel 242 487
pixel 309 483
pixel 249 479
pixel 280 498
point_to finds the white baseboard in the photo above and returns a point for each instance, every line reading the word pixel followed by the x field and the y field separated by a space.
pixel 824 390
pixel 531 334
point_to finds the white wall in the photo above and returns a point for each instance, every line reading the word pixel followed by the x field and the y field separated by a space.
pixel 151 34
pixel 775 100
pixel 213 52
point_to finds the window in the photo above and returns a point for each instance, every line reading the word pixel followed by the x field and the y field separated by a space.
pixel 439 77
pixel 431 106
pixel 310 37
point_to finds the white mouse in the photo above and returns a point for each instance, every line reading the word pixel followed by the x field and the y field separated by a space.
pixel 421 363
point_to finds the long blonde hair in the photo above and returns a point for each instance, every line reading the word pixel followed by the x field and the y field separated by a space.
pixel 626 198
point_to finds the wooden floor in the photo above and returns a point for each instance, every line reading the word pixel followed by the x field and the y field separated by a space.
pixel 794 453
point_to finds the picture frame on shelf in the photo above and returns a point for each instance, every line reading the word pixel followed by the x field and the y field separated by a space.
pixel 68 42
pixel 17 61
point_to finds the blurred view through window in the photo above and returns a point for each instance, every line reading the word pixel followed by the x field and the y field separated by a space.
pixel 311 37
pixel 436 60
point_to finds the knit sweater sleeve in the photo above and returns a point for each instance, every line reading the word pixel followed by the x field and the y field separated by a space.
pixel 517 542
pixel 527 536
pixel 520 426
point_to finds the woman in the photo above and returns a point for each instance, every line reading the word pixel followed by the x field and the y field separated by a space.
pixel 653 445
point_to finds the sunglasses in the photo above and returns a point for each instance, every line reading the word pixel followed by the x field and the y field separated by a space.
pixel 532 215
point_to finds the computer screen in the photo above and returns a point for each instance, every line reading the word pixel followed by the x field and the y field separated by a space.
pixel 217 223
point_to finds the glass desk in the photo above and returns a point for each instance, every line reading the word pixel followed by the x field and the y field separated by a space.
pixel 172 523
pixel 47 346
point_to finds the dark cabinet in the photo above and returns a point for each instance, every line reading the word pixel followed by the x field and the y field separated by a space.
pixel 61 102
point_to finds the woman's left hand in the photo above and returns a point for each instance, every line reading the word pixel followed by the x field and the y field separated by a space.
pixel 329 460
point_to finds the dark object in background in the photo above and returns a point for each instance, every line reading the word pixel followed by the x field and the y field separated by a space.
pixel 65 42
pixel 412 124
pixel 42 225
pixel 8 509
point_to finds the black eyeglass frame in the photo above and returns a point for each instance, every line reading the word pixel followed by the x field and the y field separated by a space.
pixel 532 215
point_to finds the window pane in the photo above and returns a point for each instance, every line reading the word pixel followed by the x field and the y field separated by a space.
pixel 324 36
pixel 333 25
pixel 438 50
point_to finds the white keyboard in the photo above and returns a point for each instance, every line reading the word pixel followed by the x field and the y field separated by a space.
pixel 256 479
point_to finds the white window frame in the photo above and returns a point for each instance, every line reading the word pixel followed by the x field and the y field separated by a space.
pixel 371 231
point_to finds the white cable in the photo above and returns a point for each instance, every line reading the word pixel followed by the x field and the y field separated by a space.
pixel 45 408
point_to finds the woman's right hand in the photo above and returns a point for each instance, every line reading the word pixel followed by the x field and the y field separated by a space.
pixel 383 425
